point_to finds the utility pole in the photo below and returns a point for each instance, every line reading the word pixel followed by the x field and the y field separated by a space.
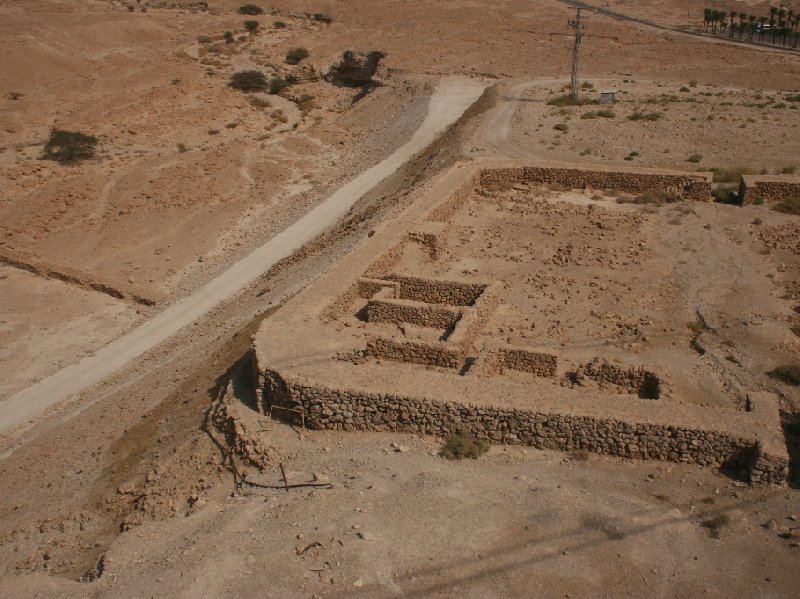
pixel 578 26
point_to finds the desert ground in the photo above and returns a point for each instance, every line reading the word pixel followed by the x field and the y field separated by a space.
pixel 135 456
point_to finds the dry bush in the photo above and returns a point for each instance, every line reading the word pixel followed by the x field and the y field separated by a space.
pixel 730 174
pixel 790 206
pixel 259 102
pixel 295 55
pixel 249 81
pixel 788 373
pixel 69 146
pixel 459 446
pixel 641 116
pixel 657 197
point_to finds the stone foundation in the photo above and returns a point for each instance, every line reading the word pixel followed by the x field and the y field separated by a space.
pixel 689 186
pixel 351 410
pixel 776 188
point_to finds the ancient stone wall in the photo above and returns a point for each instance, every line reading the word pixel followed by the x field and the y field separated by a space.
pixel 689 186
pixel 636 381
pixel 415 352
pixel 367 288
pixel 474 319
pixel 435 316
pixel 432 236
pixel 436 291
pixel 770 188
pixel 517 358
pixel 445 210
pixel 349 410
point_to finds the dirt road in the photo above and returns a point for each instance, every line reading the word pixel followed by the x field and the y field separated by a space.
pixel 451 98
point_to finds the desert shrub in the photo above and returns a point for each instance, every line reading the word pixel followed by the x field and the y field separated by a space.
pixel 787 170
pixel 566 100
pixel 69 146
pixel 693 83
pixel 684 89
pixel 659 197
pixel 641 116
pixel 228 35
pixel 788 373
pixel 295 55
pixel 251 25
pixel 603 114
pixel 458 447
pixel 279 25
pixel 249 81
pixel 182 148
pixel 695 158
pixel 725 195
pixel 729 174
pixel 587 85
pixel 277 85
pixel 790 206
pixel 305 103
pixel 204 39
pixel 560 127
pixel 260 102
pixel 322 18
pixel 250 9
pixel 779 105
pixel 758 201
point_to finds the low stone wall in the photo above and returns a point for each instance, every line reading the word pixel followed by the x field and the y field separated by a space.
pixel 451 205
pixel 635 381
pixel 435 316
pixel 367 288
pixel 437 291
pixel 432 236
pixel 689 186
pixel 350 410
pixel 474 318
pixel 517 358
pixel 772 188
pixel 414 352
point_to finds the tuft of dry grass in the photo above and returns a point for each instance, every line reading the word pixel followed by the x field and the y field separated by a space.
pixel 658 197
pixel 458 447
pixel 790 206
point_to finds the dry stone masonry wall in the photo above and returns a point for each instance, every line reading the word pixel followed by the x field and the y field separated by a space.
pixel 436 291
pixel 687 186
pixel 636 381
pixel 435 316
pixel 415 352
pixel 517 358
pixel 349 410
pixel 770 188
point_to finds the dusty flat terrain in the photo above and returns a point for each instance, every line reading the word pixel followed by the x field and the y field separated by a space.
pixel 123 482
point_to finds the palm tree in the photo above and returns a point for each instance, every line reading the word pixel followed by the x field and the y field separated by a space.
pixel 762 21
pixel 752 19
pixel 733 15
pixel 707 18
pixel 772 12
pixel 782 31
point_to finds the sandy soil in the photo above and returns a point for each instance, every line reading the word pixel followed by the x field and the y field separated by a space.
pixel 124 483
pixel 47 323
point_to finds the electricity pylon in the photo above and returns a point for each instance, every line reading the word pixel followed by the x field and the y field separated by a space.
pixel 578 26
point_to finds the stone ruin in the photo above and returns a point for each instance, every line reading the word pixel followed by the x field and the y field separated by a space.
pixel 367 347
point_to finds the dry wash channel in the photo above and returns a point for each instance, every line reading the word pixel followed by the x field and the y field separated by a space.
pixel 522 309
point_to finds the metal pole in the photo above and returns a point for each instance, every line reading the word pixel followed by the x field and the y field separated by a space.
pixel 578 27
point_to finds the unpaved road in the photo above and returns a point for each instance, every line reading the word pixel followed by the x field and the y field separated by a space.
pixel 450 99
